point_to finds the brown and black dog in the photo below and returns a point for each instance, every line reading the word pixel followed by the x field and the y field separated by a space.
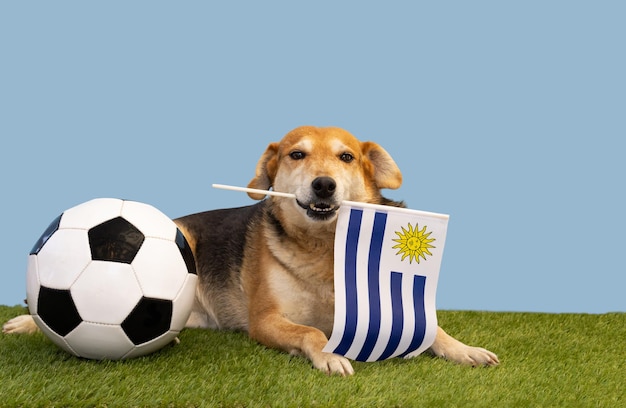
pixel 268 268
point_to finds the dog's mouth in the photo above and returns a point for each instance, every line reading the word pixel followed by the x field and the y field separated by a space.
pixel 319 210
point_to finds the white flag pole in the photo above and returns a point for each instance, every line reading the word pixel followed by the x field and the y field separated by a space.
pixel 290 195
pixel 254 190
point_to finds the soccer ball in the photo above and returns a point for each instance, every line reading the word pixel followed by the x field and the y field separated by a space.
pixel 111 279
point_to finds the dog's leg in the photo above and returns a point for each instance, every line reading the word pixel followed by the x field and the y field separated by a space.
pixel 446 346
pixel 20 324
pixel 275 331
pixel 202 317
pixel 198 320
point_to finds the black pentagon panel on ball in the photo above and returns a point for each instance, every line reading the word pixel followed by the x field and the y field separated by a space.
pixel 185 251
pixel 115 240
pixel 54 225
pixel 149 319
pixel 57 309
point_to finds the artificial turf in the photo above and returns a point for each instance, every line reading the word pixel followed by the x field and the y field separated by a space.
pixel 547 360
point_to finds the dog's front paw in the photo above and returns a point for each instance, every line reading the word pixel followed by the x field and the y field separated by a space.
pixel 332 364
pixel 20 324
pixel 446 346
pixel 478 356
pixel 468 355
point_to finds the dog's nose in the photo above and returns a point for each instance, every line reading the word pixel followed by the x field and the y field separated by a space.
pixel 324 187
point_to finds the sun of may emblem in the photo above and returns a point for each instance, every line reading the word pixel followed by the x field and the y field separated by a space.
pixel 413 243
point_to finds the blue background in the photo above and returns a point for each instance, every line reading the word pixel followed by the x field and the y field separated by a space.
pixel 509 116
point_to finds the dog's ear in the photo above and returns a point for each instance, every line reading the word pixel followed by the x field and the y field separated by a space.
pixel 385 173
pixel 265 172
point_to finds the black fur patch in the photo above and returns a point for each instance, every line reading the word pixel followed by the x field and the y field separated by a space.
pixel 220 241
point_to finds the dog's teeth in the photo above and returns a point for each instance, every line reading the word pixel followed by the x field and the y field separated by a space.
pixel 313 207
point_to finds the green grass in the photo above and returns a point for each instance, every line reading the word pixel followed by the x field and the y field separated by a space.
pixel 547 360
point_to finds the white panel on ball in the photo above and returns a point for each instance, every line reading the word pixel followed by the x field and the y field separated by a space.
pixel 32 282
pixel 91 213
pixel 160 269
pixel 97 341
pixel 63 258
pixel 183 303
pixel 106 292
pixel 150 346
pixel 151 222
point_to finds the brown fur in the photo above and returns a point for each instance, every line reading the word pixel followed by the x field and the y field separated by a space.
pixel 282 292
pixel 268 268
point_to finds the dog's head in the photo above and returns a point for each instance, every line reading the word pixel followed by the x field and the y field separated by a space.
pixel 323 167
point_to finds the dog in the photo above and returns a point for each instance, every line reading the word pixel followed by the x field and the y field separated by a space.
pixel 267 268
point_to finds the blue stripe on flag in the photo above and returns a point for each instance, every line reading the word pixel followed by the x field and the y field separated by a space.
pixel 397 317
pixel 373 277
pixel 419 284
pixel 352 241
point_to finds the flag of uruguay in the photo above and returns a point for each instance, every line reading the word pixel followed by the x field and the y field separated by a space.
pixel 387 264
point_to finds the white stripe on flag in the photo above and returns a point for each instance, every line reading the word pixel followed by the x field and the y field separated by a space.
pixel 387 264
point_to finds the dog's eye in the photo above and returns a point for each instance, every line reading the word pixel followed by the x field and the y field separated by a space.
pixel 297 155
pixel 346 157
